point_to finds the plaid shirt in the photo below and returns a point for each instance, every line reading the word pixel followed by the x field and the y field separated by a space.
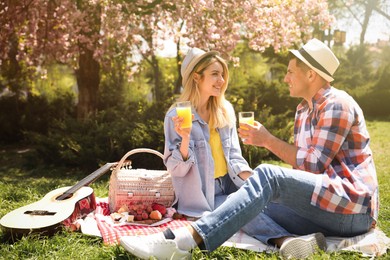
pixel 332 140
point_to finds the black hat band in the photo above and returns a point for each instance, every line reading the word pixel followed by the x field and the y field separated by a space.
pixel 313 62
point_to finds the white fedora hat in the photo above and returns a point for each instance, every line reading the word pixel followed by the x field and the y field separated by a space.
pixel 192 58
pixel 319 57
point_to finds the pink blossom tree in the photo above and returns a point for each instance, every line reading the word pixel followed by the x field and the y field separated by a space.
pixel 88 34
pixel 83 34
pixel 220 25
pixel 268 23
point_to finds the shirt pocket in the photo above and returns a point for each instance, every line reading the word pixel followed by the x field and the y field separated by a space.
pixel 226 146
pixel 199 145
pixel 200 150
pixel 226 143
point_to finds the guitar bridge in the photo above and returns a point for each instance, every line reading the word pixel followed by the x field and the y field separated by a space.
pixel 39 213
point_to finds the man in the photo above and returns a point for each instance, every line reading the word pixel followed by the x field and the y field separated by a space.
pixel 332 189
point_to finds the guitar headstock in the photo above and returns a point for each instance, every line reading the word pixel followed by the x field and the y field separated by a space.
pixel 126 165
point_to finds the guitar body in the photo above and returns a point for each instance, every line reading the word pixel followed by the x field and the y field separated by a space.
pixel 50 213
pixel 60 207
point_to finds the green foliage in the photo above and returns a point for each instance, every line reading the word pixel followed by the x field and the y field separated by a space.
pixel 37 104
pixel 102 138
pixel 256 86
pixel 252 67
pixel 376 102
pixel 114 86
pixel 15 76
pixel 365 74
pixel 54 80
pixel 125 121
pixel 355 73
pixel 129 118
pixel 117 87
pixel 169 76
pixel 31 114
pixel 10 119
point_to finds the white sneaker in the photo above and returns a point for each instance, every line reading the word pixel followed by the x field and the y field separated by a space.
pixel 302 246
pixel 153 245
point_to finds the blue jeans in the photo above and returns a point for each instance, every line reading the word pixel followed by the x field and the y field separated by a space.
pixel 273 203
pixel 223 187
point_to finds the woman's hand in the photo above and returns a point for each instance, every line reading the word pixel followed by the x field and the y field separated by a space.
pixel 183 132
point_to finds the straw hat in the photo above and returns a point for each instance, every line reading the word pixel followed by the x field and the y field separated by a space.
pixel 319 57
pixel 192 58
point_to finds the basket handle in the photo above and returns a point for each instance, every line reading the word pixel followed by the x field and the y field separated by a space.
pixel 134 151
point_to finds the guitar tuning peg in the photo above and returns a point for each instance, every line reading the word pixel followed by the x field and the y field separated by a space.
pixel 127 164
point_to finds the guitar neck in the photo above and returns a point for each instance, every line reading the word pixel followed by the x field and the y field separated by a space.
pixel 87 180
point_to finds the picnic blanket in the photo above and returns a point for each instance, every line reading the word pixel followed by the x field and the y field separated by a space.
pixel 374 243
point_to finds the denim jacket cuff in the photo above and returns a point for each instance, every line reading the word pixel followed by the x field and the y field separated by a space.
pixel 177 155
pixel 234 174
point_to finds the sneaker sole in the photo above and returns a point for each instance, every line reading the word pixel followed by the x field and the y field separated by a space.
pixel 303 247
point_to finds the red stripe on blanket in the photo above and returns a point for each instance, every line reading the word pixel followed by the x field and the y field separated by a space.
pixel 112 234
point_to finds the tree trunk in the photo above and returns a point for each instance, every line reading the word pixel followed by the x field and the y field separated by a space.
pixel 88 80
pixel 156 79
pixel 178 83
pixel 88 73
pixel 370 5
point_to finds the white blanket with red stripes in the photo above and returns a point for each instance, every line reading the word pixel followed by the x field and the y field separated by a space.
pixel 374 243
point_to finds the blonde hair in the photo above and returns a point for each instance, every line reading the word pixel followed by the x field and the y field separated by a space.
pixel 221 111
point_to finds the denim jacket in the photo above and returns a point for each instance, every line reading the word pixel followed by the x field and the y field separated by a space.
pixel 193 179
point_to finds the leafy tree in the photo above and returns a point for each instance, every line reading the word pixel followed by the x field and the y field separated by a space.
pixel 375 101
pixel 83 34
pixel 356 70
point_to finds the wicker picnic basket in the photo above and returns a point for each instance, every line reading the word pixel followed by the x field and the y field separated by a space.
pixel 132 186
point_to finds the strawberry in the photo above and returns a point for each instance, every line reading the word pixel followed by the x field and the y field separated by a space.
pixel 159 207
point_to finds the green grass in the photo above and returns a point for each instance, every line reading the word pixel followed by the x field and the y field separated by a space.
pixel 21 185
pixel 380 144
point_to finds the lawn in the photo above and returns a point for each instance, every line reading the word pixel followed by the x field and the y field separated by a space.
pixel 21 185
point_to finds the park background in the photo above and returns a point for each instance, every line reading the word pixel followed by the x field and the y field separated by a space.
pixel 83 82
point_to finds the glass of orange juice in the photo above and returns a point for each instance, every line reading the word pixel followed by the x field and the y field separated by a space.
pixel 246 117
pixel 183 109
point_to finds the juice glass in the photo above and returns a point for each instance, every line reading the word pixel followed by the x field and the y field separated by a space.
pixel 246 117
pixel 183 109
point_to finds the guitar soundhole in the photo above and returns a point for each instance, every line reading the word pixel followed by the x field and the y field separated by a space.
pixel 39 213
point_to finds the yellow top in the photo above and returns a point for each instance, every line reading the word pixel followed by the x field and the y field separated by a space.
pixel 220 167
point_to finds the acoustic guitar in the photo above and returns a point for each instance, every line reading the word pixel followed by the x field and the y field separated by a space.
pixel 57 208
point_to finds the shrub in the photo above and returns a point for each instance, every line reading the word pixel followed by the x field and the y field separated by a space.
pixel 31 114
pixel 103 138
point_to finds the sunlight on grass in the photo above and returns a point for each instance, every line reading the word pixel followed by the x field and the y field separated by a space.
pixel 380 145
pixel 20 186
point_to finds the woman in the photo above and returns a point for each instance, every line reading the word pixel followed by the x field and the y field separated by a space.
pixel 205 161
